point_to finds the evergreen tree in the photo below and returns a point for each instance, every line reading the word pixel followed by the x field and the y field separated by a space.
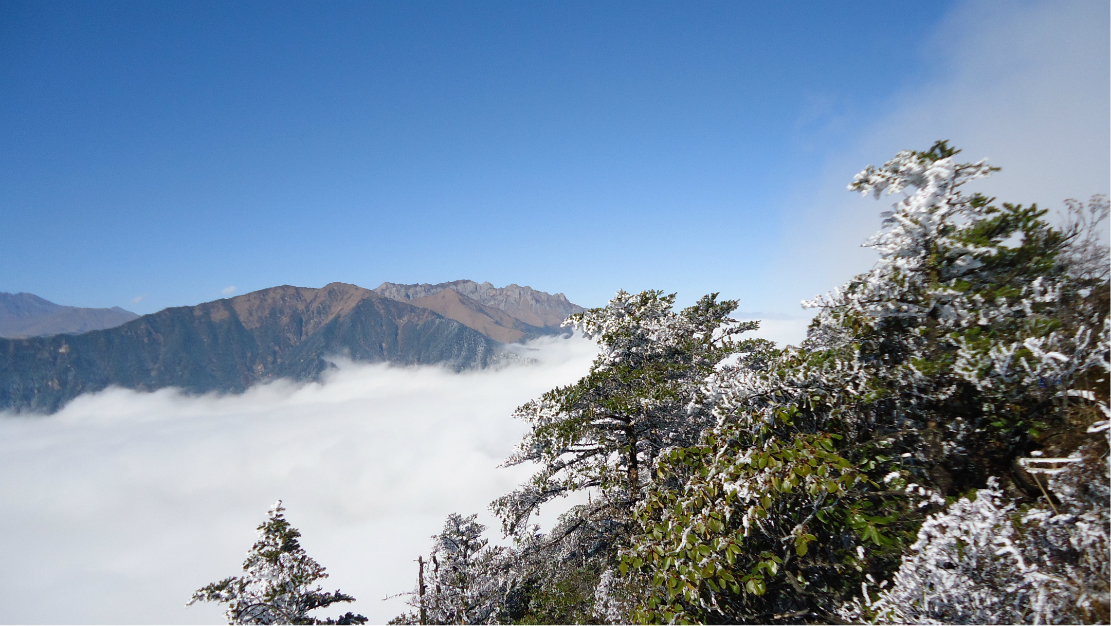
pixel 277 586
pixel 980 337
pixel 462 584
pixel 642 395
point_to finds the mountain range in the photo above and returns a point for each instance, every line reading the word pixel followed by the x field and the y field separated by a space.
pixel 283 332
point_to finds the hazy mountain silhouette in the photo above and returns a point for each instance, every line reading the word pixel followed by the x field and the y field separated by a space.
pixel 27 315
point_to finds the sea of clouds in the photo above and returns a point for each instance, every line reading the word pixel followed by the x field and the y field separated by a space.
pixel 120 505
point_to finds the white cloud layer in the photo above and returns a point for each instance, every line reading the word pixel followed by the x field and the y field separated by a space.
pixel 120 505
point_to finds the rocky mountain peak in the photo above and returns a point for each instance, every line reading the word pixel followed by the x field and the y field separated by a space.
pixel 314 307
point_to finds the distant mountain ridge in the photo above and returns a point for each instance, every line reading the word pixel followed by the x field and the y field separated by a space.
pixel 27 315
pixel 535 308
pixel 494 323
pixel 283 332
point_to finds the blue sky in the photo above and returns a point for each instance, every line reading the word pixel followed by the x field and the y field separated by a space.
pixel 162 154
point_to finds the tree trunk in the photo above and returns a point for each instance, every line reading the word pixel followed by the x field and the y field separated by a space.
pixel 420 588
pixel 634 470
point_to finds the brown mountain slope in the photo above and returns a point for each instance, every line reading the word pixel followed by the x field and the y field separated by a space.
pixel 495 324
pixel 535 308
pixel 314 307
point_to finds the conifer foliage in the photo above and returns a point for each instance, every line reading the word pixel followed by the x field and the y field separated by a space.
pixel 603 434
pixel 978 342
pixel 462 583
pixel 277 585
pixel 640 396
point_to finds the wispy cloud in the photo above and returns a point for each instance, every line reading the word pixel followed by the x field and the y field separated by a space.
pixel 123 503
pixel 138 299
pixel 227 291
pixel 1023 84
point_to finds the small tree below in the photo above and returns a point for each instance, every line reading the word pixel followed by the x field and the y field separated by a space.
pixel 277 584
pixel 463 586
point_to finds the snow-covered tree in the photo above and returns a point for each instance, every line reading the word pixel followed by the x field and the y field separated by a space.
pixel 464 578
pixel 561 576
pixel 642 395
pixel 278 585
pixel 639 397
pixel 972 342
pixel 990 561
pixel 539 580
pixel 940 409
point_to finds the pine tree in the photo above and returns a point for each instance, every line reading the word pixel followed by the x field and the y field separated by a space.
pixel 463 581
pixel 640 396
pixel 277 584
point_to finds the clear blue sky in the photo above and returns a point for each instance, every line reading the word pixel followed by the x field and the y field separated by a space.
pixel 155 154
